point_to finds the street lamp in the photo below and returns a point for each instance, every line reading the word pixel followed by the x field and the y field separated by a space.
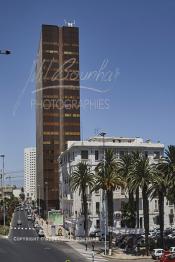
pixel 104 193
pixel 5 52
pixel 3 198
pixel 46 184
pixel 39 198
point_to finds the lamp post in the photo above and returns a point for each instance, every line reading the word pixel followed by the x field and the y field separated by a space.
pixel 5 52
pixel 46 184
pixel 104 194
pixel 3 197
pixel 39 198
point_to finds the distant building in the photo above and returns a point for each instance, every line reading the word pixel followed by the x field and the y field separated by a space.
pixel 17 192
pixel 30 173
pixel 7 191
pixel 92 151
pixel 57 105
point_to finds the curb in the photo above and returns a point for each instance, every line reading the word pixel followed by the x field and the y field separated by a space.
pixel 125 258
pixel 3 237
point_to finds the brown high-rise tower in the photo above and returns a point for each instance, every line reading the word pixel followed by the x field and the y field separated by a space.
pixel 57 105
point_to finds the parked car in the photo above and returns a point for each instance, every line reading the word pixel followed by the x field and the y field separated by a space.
pixel 95 233
pixel 41 233
pixel 157 253
pixel 172 249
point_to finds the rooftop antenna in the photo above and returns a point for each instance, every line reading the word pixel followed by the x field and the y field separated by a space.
pixel 97 131
pixel 69 23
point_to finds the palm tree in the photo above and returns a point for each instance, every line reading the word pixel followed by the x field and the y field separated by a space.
pixel 107 178
pixel 168 168
pixel 124 167
pixel 140 176
pixel 158 190
pixel 135 157
pixel 81 179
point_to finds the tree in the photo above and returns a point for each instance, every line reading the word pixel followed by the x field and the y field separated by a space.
pixel 81 179
pixel 128 216
pixel 167 166
pixel 158 190
pixel 140 176
pixel 135 157
pixel 107 178
pixel 124 167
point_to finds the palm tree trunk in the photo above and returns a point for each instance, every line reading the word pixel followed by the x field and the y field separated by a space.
pixel 110 216
pixel 137 208
pixel 161 217
pixel 85 213
pixel 132 205
pixel 146 216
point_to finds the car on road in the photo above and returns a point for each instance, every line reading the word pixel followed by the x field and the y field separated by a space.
pixel 19 222
pixel 41 233
pixel 157 253
pixel 29 217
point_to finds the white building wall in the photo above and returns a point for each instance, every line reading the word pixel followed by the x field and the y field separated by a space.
pixel 30 172
pixel 71 202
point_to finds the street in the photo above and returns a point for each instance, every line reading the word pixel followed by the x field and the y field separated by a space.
pixel 24 245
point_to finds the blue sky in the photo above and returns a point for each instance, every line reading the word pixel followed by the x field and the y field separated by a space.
pixel 135 38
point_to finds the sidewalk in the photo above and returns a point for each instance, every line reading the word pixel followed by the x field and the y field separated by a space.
pixel 48 234
pixel 80 246
pixel 117 254
pixel 3 237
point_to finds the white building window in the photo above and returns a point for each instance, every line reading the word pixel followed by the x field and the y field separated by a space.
pixel 84 154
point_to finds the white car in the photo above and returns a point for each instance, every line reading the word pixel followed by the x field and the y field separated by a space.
pixel 29 217
pixel 157 253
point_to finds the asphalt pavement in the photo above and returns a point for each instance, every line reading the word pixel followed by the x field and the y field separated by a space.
pixel 24 245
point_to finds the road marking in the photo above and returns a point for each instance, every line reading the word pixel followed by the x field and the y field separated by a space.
pixel 29 228
pixel 47 248
pixel 25 228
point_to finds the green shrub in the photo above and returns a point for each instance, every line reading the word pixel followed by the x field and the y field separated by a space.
pixel 4 230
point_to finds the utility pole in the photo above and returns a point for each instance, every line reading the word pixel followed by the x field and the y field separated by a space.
pixel 104 194
pixel 46 184
pixel 39 198
pixel 3 196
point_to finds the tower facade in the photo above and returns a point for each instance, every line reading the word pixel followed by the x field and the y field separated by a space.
pixel 57 105
pixel 30 173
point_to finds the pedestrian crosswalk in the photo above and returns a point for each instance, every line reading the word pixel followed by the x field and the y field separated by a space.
pixel 91 255
pixel 22 228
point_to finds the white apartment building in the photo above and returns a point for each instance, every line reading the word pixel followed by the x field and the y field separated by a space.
pixel 30 173
pixel 92 151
